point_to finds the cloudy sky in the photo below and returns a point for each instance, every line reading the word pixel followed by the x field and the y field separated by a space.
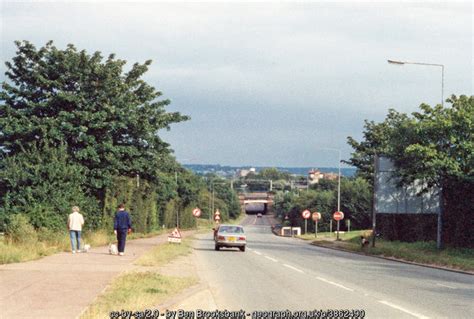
pixel 268 83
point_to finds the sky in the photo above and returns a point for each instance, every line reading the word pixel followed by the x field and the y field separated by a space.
pixel 267 83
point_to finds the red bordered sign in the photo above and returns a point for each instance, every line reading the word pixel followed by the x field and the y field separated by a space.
pixel 306 214
pixel 196 212
pixel 338 216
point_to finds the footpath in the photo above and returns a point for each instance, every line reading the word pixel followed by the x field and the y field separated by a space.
pixel 63 285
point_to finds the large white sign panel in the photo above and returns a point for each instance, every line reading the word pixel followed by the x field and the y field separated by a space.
pixel 392 199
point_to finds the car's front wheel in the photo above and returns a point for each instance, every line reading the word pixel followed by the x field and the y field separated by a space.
pixel 242 248
pixel 217 247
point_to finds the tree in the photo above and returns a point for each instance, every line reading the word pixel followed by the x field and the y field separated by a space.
pixel 43 185
pixel 273 174
pixel 375 141
pixel 434 145
pixel 107 118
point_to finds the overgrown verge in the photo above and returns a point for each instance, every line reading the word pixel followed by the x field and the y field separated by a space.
pixel 164 253
pixel 423 252
pixel 140 290
pixel 24 243
pixel 136 291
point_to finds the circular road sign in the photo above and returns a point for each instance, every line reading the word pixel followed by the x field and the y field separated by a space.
pixel 316 216
pixel 306 214
pixel 196 212
pixel 338 215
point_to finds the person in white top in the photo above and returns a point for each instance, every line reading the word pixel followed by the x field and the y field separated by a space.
pixel 75 222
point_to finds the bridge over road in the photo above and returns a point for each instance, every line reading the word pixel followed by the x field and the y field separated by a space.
pixel 256 202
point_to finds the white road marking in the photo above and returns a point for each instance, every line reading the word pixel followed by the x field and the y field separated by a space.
pixel 272 259
pixel 257 252
pixel 335 284
pixel 451 287
pixel 417 315
pixel 294 268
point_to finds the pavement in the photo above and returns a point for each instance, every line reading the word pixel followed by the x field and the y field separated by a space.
pixel 278 273
pixel 63 285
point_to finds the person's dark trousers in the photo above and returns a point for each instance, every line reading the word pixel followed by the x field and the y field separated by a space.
pixel 121 238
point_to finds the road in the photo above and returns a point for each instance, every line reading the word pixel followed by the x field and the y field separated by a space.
pixel 277 273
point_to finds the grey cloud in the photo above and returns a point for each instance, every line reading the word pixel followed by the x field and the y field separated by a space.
pixel 266 84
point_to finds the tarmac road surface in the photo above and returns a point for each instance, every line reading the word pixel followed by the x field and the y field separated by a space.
pixel 277 273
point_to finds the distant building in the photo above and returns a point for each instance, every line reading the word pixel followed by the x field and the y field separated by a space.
pixel 245 172
pixel 314 176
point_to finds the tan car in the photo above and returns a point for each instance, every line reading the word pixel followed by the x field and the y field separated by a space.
pixel 230 236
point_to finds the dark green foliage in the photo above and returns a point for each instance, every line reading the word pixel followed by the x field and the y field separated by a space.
pixel 140 199
pixel 108 119
pixel 273 174
pixel 70 123
pixel 42 184
pixel 230 201
pixel 355 203
pixel 435 145
pixel 19 229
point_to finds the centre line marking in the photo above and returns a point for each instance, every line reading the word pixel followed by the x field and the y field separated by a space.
pixel 257 252
pixel 403 309
pixel 272 259
pixel 294 268
pixel 451 287
pixel 335 284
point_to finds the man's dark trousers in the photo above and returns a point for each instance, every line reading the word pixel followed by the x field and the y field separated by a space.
pixel 121 238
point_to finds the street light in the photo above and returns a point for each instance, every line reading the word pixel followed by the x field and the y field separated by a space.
pixel 427 64
pixel 440 218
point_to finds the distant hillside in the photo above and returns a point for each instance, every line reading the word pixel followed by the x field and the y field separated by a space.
pixel 228 171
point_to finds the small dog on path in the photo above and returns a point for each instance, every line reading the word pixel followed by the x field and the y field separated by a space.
pixel 113 249
pixel 86 248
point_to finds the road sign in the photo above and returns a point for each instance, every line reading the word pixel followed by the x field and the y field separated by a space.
pixel 196 212
pixel 306 214
pixel 217 212
pixel 175 236
pixel 217 218
pixel 338 216
pixel 316 216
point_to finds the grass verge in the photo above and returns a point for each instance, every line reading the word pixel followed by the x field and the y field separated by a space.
pixel 143 289
pixel 46 243
pixel 136 291
pixel 418 252
pixel 164 253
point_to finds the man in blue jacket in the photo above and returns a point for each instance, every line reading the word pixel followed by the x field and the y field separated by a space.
pixel 122 226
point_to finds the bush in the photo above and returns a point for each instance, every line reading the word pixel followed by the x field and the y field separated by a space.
pixel 19 229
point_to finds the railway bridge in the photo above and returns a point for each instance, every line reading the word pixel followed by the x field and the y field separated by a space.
pixel 256 202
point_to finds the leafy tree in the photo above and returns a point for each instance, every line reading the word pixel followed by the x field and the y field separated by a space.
pixel 375 141
pixel 41 184
pixel 435 145
pixel 107 118
pixel 356 202
pixel 273 174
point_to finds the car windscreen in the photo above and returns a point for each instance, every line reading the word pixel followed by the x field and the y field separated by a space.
pixel 231 229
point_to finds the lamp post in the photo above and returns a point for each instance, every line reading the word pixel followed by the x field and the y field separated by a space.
pixel 426 64
pixel 440 218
